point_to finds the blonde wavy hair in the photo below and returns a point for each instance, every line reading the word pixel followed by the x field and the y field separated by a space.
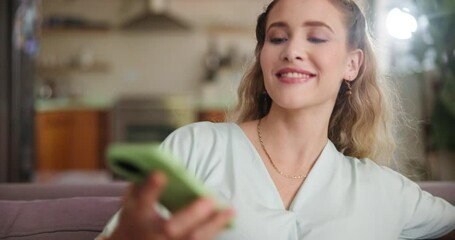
pixel 360 125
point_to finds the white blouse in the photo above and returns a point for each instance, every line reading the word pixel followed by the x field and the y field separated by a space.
pixel 342 197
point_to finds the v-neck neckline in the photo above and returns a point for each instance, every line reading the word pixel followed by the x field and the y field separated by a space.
pixel 299 196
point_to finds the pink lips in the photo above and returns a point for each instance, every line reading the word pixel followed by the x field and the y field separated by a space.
pixel 294 75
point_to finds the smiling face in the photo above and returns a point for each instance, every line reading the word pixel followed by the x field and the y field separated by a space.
pixel 305 55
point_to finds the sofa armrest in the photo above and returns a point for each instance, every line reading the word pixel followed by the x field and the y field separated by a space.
pixel 442 189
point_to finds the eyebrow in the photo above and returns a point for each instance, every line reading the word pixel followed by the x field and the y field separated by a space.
pixel 305 24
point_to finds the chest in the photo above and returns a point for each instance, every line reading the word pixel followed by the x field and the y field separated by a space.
pixel 320 208
pixel 265 223
pixel 286 187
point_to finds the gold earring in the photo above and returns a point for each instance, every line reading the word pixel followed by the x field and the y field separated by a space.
pixel 349 91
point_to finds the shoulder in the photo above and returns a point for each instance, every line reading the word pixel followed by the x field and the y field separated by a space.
pixel 206 127
pixel 361 171
pixel 366 166
pixel 388 189
pixel 382 182
pixel 371 172
pixel 199 142
pixel 416 213
pixel 201 131
pixel 202 146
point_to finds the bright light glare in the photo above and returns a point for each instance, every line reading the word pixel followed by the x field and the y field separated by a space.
pixel 401 24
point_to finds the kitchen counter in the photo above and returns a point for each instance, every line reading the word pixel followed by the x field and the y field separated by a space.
pixel 63 104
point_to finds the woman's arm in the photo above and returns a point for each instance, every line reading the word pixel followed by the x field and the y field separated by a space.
pixel 140 220
pixel 428 217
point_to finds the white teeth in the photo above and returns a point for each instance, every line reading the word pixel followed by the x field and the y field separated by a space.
pixel 295 75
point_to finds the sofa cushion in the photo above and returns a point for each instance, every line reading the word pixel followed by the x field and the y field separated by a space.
pixel 34 191
pixel 65 218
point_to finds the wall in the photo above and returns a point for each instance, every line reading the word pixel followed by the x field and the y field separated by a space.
pixel 155 62
pixel 137 64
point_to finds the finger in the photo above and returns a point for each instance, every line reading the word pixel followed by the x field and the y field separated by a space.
pixel 141 198
pixel 129 199
pixel 214 225
pixel 185 220
pixel 148 193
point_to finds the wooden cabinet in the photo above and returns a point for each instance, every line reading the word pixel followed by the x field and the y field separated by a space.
pixel 212 115
pixel 71 139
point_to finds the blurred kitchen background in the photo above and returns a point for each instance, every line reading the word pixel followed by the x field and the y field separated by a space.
pixel 77 75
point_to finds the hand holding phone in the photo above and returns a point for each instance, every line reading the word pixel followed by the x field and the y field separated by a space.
pixel 135 162
pixel 139 219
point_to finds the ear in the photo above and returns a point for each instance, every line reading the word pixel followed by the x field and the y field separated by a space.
pixel 354 62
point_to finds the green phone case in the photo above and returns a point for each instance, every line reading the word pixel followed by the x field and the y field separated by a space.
pixel 134 162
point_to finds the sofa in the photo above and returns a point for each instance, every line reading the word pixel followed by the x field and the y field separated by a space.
pixel 80 211
pixel 57 211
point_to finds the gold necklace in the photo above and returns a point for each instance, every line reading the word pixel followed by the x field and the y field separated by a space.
pixel 270 159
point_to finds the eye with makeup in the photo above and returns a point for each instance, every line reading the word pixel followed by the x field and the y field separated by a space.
pixel 316 40
pixel 277 37
pixel 277 40
pixel 317 36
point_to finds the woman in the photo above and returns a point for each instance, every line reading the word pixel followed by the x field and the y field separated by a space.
pixel 310 113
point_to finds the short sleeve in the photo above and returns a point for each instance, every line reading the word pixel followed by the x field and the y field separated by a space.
pixel 181 143
pixel 426 216
pixel 198 146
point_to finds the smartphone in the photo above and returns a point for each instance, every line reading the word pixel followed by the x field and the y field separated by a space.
pixel 134 162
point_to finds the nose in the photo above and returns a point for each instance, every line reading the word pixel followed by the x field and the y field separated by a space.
pixel 293 51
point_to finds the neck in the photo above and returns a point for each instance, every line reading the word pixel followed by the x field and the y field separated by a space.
pixel 297 137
